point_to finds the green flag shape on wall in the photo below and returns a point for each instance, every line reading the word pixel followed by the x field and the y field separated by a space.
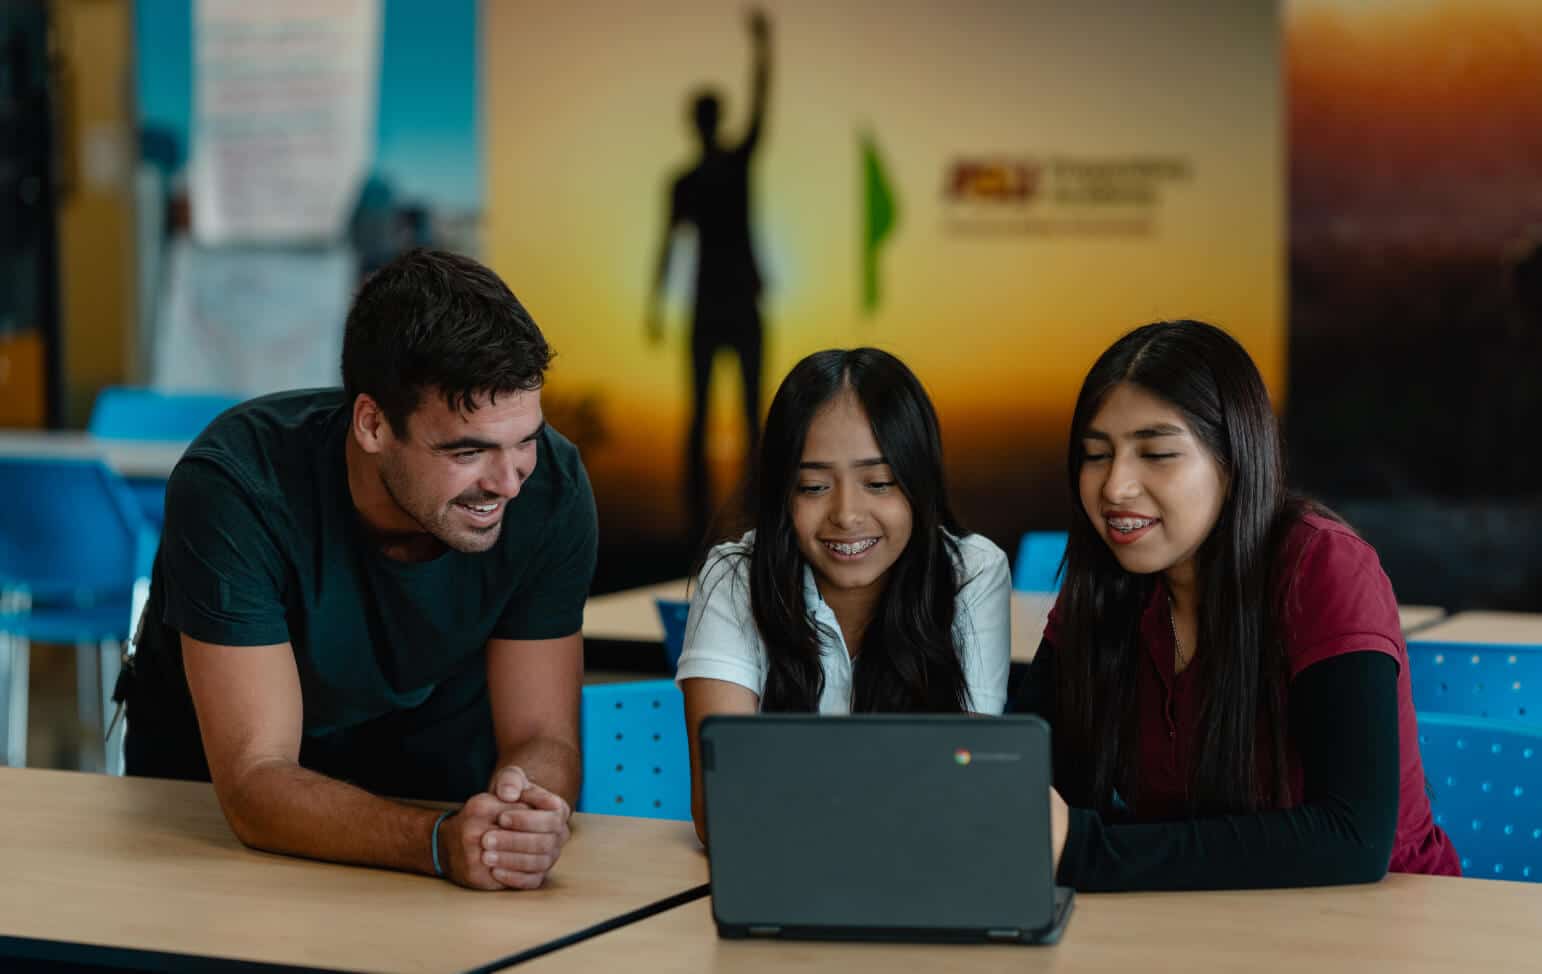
pixel 880 213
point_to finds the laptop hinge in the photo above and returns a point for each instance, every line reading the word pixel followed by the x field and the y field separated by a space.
pixel 765 931
pixel 1004 934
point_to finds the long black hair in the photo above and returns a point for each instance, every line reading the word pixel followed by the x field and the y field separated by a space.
pixel 909 656
pixel 1207 376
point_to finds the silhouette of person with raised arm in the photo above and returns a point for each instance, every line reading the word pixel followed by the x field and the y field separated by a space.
pixel 714 197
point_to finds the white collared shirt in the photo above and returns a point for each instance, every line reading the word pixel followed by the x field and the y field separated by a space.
pixel 722 642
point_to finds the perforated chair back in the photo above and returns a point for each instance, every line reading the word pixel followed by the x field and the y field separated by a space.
pixel 1038 561
pixel 635 757
pixel 70 532
pixel 672 614
pixel 1485 780
pixel 1500 682
pixel 136 413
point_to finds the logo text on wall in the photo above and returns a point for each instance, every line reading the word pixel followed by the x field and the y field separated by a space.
pixel 1059 195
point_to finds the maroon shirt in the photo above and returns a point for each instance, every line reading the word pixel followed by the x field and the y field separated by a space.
pixel 1338 600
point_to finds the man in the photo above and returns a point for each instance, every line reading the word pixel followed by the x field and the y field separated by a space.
pixel 714 197
pixel 378 591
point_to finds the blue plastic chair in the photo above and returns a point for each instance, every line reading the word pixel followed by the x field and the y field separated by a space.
pixel 1038 561
pixel 635 757
pixel 136 413
pixel 672 614
pixel 75 558
pixel 1501 682
pixel 1485 780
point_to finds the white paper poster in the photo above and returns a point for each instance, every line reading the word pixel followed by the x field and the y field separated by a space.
pixel 284 103
pixel 253 320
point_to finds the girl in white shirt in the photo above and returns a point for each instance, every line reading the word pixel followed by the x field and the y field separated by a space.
pixel 857 591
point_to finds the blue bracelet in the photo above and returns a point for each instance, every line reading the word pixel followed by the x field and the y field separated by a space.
pixel 433 840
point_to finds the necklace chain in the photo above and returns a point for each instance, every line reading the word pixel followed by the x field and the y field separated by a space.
pixel 1172 624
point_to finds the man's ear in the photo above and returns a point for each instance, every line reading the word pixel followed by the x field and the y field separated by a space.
pixel 370 428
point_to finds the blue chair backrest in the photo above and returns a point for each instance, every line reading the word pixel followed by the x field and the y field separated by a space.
pixel 1502 682
pixel 636 760
pixel 1038 561
pixel 672 614
pixel 150 494
pixel 1485 781
pixel 135 413
pixel 70 531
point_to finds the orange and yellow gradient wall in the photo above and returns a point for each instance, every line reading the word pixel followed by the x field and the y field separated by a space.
pixel 1060 174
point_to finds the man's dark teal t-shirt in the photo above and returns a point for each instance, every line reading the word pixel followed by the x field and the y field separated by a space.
pixel 263 545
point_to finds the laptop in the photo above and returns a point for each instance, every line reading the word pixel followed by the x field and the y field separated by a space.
pixel 884 827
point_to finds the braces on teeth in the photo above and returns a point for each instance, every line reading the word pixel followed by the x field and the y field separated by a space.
pixel 852 549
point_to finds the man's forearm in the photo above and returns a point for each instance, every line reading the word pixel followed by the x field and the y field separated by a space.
pixel 282 807
pixel 554 765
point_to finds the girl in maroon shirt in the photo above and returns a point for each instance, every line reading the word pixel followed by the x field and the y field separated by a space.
pixel 1224 670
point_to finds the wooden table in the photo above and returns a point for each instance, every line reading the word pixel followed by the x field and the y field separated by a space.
pixel 1402 925
pixel 1503 628
pixel 1030 611
pixel 148 865
pixel 631 615
pixel 1416 617
pixel 139 459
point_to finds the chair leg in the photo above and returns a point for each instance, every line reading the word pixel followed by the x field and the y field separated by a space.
pixel 13 728
pixel 5 698
pixel 112 744
pixel 88 704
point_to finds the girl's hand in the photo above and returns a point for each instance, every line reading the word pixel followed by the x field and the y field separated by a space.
pixel 1059 824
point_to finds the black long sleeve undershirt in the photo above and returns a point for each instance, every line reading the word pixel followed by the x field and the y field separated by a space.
pixel 1344 724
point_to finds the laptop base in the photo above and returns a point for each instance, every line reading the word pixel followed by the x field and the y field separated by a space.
pixel 1065 901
